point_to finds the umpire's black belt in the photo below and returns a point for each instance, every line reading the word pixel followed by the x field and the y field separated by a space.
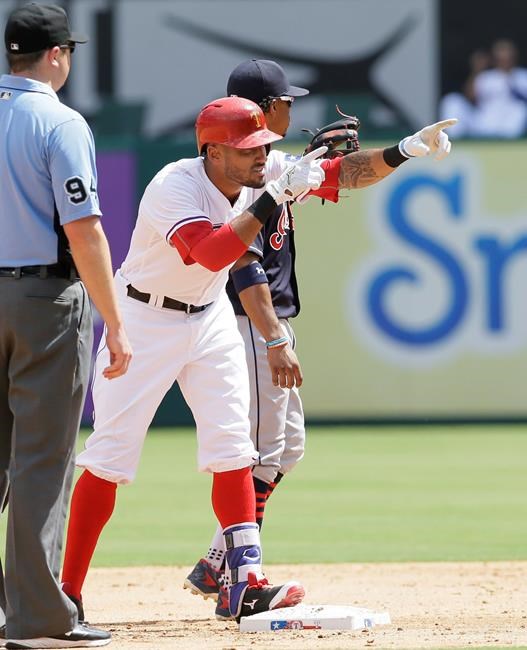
pixel 41 271
pixel 168 303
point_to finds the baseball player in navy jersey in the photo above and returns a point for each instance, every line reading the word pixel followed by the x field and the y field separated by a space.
pixel 264 294
pixel 51 237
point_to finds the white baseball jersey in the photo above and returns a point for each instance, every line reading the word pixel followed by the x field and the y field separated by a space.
pixel 181 193
pixel 203 352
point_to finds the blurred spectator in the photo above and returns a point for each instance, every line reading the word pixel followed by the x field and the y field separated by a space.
pixel 501 95
pixel 493 103
pixel 463 104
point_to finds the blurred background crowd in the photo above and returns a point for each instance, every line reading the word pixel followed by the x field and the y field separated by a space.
pixel 492 102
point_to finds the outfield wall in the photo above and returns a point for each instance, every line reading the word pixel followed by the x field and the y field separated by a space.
pixel 412 291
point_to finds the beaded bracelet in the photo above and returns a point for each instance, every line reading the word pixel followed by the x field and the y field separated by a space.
pixel 283 340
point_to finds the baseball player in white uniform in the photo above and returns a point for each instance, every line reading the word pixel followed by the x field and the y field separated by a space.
pixel 197 216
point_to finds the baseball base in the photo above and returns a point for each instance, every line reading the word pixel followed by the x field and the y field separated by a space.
pixel 314 617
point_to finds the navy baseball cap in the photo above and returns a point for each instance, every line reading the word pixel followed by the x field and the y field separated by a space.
pixel 36 27
pixel 258 79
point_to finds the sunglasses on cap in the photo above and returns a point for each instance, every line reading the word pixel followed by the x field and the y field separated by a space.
pixel 68 46
pixel 266 102
pixel 286 98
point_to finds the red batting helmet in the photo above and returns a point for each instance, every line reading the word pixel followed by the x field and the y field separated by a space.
pixel 233 121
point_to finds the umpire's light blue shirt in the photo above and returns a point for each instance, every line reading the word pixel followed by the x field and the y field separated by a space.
pixel 48 176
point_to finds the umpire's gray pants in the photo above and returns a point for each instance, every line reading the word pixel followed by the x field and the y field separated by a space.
pixel 45 350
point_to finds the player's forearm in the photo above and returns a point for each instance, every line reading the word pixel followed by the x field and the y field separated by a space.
pixel 247 227
pixel 91 254
pixel 258 305
pixel 248 224
pixel 363 168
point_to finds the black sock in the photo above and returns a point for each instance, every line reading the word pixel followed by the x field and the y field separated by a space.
pixel 260 488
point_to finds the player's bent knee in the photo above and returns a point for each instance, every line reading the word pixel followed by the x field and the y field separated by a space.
pixel 288 467
pixel 265 473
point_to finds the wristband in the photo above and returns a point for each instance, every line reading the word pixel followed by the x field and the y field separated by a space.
pixel 283 340
pixel 393 156
pixel 263 207
pixel 248 276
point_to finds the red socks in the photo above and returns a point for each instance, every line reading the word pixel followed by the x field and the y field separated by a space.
pixel 92 505
pixel 233 497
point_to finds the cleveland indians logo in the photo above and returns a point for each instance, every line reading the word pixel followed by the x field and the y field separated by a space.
pixel 276 240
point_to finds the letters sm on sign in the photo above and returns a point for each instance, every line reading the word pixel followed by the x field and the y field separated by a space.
pixel 445 275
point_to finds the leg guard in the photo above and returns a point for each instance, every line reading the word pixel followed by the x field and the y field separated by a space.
pixel 243 556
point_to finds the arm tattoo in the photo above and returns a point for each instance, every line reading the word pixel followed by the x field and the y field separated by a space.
pixel 357 170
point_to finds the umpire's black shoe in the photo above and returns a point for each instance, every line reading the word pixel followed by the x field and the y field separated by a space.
pixel 81 636
pixel 263 598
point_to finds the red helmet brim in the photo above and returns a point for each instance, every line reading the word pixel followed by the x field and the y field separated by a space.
pixel 256 139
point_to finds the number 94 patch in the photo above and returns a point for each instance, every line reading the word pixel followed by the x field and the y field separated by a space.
pixel 76 190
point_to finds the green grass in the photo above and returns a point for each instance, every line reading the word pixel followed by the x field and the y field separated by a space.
pixel 360 495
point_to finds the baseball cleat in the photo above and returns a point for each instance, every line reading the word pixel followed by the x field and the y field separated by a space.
pixel 204 580
pixel 223 613
pixel 261 597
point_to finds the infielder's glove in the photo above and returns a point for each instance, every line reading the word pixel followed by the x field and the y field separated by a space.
pixel 340 137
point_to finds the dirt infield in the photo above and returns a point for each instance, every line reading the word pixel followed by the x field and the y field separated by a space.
pixel 456 605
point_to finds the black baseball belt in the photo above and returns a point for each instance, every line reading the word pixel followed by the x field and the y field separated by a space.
pixel 168 303
pixel 42 271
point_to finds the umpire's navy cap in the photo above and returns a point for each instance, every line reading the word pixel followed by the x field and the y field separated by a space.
pixel 258 79
pixel 36 27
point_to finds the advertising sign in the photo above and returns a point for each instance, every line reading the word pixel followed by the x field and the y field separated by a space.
pixel 414 291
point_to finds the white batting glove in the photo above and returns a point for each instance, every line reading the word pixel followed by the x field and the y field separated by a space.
pixel 304 175
pixel 428 141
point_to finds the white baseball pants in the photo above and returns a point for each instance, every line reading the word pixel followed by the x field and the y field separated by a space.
pixel 204 353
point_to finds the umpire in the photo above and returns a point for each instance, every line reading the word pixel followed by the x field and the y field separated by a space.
pixel 51 236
